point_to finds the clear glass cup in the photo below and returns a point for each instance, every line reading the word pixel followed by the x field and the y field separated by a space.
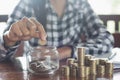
pixel 42 60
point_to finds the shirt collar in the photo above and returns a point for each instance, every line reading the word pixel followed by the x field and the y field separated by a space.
pixel 70 4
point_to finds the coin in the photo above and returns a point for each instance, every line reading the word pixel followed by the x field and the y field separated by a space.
pixel 42 42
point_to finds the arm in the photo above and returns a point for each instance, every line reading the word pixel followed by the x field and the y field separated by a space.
pixel 18 13
pixel 5 53
pixel 7 47
pixel 65 52
pixel 98 40
pixel 21 29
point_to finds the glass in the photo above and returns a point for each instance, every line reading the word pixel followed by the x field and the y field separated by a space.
pixel 42 60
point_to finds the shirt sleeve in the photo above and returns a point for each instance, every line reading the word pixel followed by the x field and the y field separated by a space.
pixel 22 9
pixel 5 53
pixel 98 40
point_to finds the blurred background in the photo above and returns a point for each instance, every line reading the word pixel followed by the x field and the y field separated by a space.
pixel 101 7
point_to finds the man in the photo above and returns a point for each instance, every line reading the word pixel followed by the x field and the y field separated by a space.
pixel 67 24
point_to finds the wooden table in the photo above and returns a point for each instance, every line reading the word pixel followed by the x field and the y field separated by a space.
pixel 9 71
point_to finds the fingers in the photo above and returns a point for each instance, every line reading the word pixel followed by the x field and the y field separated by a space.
pixel 15 30
pixel 12 37
pixel 14 33
pixel 40 30
pixel 25 29
pixel 30 26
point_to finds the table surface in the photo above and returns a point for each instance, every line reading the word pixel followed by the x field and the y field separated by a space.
pixel 10 71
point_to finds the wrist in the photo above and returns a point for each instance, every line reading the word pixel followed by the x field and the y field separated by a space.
pixel 8 42
pixel 67 51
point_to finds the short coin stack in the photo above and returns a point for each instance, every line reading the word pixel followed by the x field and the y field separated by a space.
pixel 87 65
pixel 108 69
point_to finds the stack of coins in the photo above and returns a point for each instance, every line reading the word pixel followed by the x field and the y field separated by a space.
pixel 92 77
pixel 93 66
pixel 87 66
pixel 65 70
pixel 70 61
pixel 108 69
pixel 81 62
pixel 102 61
pixel 87 59
pixel 73 71
pixel 81 56
pixel 87 71
pixel 100 70
pixel 97 61
pixel 81 71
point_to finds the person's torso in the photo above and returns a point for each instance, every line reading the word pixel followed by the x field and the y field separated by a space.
pixel 64 30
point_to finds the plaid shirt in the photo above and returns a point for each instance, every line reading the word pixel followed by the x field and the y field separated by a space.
pixel 78 27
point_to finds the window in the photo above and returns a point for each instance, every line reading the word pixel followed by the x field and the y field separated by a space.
pixel 105 7
pixel 99 6
pixel 6 6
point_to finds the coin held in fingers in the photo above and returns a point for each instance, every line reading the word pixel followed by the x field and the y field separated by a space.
pixel 42 42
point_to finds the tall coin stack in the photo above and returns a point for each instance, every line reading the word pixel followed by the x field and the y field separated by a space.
pixel 87 65
pixel 81 62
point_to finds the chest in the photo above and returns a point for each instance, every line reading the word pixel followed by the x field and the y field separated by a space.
pixel 58 6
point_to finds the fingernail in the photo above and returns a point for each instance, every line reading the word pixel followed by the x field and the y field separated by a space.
pixel 44 37
pixel 24 18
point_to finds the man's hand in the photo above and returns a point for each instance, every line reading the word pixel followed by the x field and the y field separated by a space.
pixel 23 30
